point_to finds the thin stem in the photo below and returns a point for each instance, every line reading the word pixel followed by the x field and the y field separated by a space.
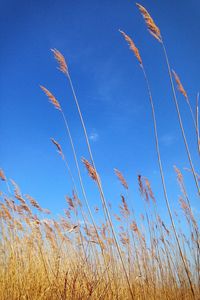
pixel 197 122
pixel 180 119
pixel 163 178
pixel 79 175
pixel 104 202
pixel 82 186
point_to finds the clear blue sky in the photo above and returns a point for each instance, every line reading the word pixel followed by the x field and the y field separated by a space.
pixel 110 88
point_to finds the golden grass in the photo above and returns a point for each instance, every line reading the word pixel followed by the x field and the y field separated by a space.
pixel 44 258
pixel 133 48
pixel 76 257
pixel 153 28
pixel 180 86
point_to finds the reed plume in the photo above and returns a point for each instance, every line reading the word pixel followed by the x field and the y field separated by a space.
pixel 51 97
pixel 132 46
pixel 34 203
pixel 124 207
pixel 2 175
pixel 61 61
pixel 91 171
pixel 121 178
pixel 58 147
pixel 180 86
pixel 153 29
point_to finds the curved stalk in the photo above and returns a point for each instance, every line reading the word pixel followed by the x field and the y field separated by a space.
pixel 104 202
pixel 179 117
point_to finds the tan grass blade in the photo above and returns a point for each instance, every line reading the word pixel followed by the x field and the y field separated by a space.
pixel 58 147
pixel 92 172
pixel 34 203
pixel 153 29
pixel 61 61
pixel 2 176
pixel 179 174
pixel 121 178
pixel 124 207
pixel 149 189
pixel 51 97
pixel 132 46
pixel 180 86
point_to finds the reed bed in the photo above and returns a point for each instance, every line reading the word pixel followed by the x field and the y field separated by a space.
pixel 125 256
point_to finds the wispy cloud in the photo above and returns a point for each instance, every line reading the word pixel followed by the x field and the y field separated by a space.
pixel 167 139
pixel 94 136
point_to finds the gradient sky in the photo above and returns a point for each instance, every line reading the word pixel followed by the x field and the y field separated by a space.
pixel 110 88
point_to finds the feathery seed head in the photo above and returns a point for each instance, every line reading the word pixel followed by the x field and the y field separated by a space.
pixel 134 227
pixel 34 202
pixel 58 147
pixel 2 176
pixel 132 46
pixel 124 207
pixel 92 172
pixel 70 203
pixel 149 189
pixel 179 174
pixel 180 86
pixel 153 29
pixel 121 178
pixel 61 61
pixel 51 97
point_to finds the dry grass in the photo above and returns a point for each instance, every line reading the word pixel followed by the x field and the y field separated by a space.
pixel 75 257
pixel 44 258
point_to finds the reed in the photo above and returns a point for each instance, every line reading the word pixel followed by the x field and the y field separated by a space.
pixel 155 31
pixel 121 255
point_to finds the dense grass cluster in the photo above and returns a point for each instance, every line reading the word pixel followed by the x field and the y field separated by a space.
pixel 123 257
pixel 44 258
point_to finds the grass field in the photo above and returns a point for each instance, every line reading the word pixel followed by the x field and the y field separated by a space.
pixel 126 256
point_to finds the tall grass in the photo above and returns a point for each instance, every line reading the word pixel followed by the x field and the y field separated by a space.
pixel 125 256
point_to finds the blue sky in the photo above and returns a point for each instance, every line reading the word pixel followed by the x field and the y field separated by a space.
pixel 110 88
